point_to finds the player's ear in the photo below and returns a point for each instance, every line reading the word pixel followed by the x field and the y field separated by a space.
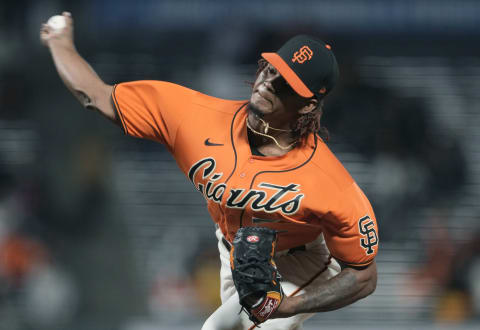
pixel 310 105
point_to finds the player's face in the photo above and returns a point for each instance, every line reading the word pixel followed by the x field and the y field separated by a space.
pixel 272 94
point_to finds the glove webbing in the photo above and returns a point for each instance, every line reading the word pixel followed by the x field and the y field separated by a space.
pixel 255 261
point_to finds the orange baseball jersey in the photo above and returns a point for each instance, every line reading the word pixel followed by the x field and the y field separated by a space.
pixel 303 193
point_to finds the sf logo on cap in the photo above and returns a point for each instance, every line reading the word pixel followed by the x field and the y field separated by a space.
pixel 302 55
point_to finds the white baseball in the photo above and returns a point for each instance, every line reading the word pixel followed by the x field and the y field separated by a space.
pixel 57 22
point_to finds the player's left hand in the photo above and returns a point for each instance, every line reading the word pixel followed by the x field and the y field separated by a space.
pixel 254 272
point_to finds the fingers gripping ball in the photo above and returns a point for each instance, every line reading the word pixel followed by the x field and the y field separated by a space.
pixel 254 272
pixel 57 22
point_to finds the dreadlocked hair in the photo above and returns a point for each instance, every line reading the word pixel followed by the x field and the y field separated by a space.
pixel 310 123
pixel 306 123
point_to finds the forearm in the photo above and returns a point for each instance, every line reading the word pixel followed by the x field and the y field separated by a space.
pixel 81 79
pixel 344 289
pixel 74 71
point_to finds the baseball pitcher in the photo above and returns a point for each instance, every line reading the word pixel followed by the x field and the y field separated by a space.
pixel 296 234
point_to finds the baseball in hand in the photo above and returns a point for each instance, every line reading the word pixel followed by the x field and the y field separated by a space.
pixel 57 22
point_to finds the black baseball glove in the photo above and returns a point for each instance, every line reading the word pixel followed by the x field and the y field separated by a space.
pixel 254 272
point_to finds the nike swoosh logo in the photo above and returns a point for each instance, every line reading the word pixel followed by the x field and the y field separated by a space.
pixel 211 144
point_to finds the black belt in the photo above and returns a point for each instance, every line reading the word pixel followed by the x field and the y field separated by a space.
pixel 228 246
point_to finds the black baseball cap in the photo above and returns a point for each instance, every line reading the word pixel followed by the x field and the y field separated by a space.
pixel 307 64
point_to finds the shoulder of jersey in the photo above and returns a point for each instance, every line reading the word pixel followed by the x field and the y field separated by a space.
pixel 217 104
pixel 327 164
pixel 198 98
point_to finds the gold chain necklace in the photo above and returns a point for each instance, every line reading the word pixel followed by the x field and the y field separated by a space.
pixel 269 136
pixel 267 126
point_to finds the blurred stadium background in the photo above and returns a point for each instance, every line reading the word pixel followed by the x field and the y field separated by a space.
pixel 102 231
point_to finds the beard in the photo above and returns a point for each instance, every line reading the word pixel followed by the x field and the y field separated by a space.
pixel 253 109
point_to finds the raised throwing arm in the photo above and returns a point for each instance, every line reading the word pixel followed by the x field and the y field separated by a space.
pixel 76 73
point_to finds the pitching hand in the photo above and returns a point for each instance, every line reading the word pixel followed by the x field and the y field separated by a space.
pixel 61 36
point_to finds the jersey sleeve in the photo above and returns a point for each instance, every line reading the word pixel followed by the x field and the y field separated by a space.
pixel 350 228
pixel 152 109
